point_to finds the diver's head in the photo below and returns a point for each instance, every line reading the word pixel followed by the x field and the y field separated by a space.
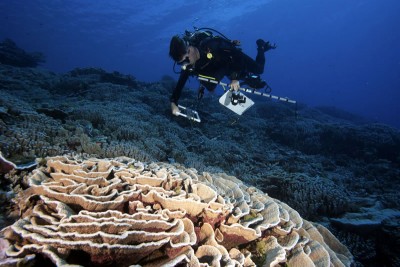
pixel 182 53
pixel 177 48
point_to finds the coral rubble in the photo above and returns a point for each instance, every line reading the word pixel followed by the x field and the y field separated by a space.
pixel 122 212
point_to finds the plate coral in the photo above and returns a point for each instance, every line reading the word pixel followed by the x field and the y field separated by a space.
pixel 122 212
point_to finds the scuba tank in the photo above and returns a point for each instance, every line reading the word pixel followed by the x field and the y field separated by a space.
pixel 195 37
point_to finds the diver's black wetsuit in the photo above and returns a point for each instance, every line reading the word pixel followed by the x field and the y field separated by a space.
pixel 226 60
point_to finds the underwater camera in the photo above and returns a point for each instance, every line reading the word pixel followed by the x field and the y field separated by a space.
pixel 237 98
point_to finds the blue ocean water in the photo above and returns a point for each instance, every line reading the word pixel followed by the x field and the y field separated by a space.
pixel 342 53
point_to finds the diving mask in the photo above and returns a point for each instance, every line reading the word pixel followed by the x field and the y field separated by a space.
pixel 185 61
pixel 185 64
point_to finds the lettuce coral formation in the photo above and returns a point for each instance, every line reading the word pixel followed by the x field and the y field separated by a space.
pixel 123 212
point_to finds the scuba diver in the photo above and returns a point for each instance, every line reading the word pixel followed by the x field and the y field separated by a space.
pixel 202 53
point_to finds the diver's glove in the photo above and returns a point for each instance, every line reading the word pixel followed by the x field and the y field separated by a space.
pixel 234 85
pixel 174 108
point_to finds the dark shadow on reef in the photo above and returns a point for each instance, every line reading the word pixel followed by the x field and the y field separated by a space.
pixel 329 165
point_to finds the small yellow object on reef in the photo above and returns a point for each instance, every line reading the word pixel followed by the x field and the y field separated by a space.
pixel 209 55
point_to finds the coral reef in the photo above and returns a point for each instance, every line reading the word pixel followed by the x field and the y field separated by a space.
pixel 328 198
pixel 11 54
pixel 79 81
pixel 122 212
pixel 287 153
pixel 369 142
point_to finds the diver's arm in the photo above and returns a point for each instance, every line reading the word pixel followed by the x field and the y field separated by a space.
pixel 176 94
pixel 235 83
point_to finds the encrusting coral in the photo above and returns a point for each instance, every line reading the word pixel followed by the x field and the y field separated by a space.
pixel 123 212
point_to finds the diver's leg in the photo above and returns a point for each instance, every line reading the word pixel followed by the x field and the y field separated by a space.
pixel 257 66
pixel 247 64
pixel 260 60
pixel 263 47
